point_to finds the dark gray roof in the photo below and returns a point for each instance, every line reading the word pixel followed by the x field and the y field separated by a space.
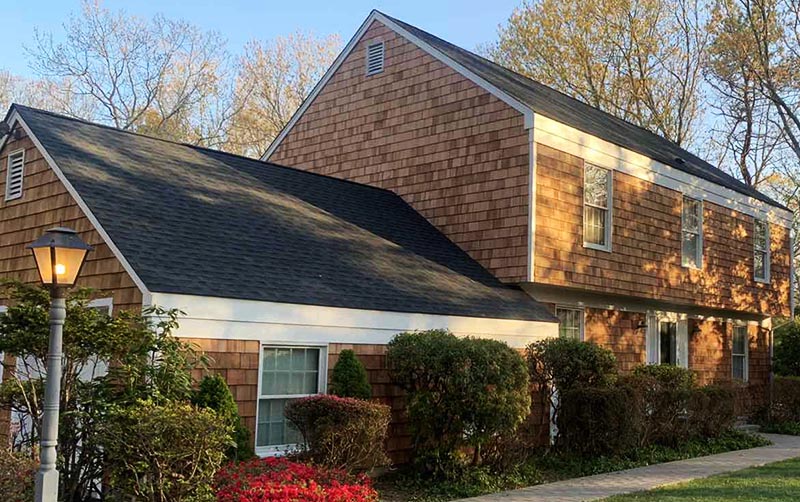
pixel 202 222
pixel 567 110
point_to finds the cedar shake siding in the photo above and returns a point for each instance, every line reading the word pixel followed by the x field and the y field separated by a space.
pixel 453 151
pixel 646 244
pixel 45 203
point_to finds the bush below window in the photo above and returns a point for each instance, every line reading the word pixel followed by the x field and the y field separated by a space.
pixel 280 480
pixel 598 420
pixel 340 432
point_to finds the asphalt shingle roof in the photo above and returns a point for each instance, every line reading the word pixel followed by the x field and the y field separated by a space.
pixel 567 110
pixel 201 222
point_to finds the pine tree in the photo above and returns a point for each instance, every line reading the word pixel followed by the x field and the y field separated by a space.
pixel 349 378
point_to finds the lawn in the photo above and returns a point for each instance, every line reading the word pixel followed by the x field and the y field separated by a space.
pixel 778 482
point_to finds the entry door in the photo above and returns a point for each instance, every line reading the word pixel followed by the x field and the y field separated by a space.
pixel 668 340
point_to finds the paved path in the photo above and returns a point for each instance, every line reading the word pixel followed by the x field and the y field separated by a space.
pixel 653 476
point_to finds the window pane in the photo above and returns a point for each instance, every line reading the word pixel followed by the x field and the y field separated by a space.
pixel 273 429
pixel 760 235
pixel 290 371
pixel 740 340
pixel 569 322
pixel 738 367
pixel 759 259
pixel 595 191
pixel 691 214
pixel 594 225
pixel 668 340
pixel 689 250
pixel 284 359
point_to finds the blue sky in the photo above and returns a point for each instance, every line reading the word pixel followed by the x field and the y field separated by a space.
pixel 463 22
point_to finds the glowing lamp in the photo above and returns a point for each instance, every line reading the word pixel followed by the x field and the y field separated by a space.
pixel 59 255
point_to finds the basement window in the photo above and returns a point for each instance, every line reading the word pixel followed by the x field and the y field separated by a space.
pixel 14 173
pixel 375 56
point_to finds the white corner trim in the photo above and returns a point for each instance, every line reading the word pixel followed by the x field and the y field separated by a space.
pixel 531 204
pixel 606 154
pixel 15 117
pixel 272 322
pixel 377 16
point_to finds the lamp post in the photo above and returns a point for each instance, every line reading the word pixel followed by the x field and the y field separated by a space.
pixel 59 256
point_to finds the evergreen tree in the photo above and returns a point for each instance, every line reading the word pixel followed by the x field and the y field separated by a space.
pixel 349 378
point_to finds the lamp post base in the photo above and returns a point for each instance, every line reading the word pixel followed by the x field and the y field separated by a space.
pixel 47 486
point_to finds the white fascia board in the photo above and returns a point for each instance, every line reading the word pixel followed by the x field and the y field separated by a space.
pixel 232 319
pixel 605 154
pixel 16 118
pixel 531 202
pixel 377 16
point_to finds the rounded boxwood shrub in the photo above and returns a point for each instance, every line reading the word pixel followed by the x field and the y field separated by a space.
pixel 280 480
pixel 461 392
pixel 349 377
pixel 214 393
pixel 341 432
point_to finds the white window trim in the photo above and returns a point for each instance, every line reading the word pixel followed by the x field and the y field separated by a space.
pixel 103 302
pixel 609 209
pixel 746 326
pixel 582 318
pixel 767 253
pixel 699 258
pixel 322 386
pixel 370 45
pixel 8 174
pixel 3 308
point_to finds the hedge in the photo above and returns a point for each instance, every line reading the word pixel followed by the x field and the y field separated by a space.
pixel 598 421
pixel 785 399
pixel 341 432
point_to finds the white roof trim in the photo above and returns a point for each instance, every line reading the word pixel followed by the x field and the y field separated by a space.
pixel 377 16
pixel 232 319
pixel 15 117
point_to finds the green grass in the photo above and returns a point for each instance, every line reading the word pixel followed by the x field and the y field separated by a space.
pixel 778 482
pixel 406 486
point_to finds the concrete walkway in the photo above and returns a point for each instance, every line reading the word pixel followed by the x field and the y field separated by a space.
pixel 645 478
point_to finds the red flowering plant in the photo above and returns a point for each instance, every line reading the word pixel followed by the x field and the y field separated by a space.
pixel 280 480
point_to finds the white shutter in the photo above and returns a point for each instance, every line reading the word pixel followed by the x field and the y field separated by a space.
pixel 16 163
pixel 682 343
pixel 374 58
pixel 653 345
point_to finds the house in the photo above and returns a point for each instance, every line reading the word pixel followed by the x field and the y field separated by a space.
pixel 277 269
pixel 632 241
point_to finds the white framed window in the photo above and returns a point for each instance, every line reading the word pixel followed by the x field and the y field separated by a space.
pixel 692 233
pixel 570 322
pixel 667 340
pixel 740 354
pixel 597 204
pixel 287 372
pixel 375 58
pixel 15 170
pixel 761 251
pixel 105 305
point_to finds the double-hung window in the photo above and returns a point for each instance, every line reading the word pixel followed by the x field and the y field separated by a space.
pixel 597 207
pixel 287 373
pixel 761 258
pixel 692 233
pixel 570 322
pixel 740 353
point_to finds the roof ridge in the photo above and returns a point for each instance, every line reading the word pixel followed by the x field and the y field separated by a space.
pixel 200 148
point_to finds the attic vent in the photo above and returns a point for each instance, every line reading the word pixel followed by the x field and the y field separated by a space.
pixel 374 58
pixel 16 161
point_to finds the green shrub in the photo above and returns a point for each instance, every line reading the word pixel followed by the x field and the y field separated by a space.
pixel 349 377
pixel 341 432
pixel 17 474
pixel 214 393
pixel 163 452
pixel 711 410
pixel 788 428
pixel 785 399
pixel 786 355
pixel 663 393
pixel 598 421
pixel 460 392
pixel 557 365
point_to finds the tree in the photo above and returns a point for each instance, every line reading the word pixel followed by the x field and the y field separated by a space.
pixel 640 60
pixel 214 393
pixel 161 77
pixel 108 363
pixel 274 79
pixel 349 377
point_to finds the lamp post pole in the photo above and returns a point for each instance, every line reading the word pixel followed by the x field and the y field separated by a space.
pixel 47 477
pixel 59 255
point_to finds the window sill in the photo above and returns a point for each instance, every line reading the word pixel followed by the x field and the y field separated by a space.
pixel 276 451
pixel 597 247
pixel 762 281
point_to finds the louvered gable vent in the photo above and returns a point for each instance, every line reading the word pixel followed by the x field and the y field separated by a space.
pixel 16 161
pixel 374 58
